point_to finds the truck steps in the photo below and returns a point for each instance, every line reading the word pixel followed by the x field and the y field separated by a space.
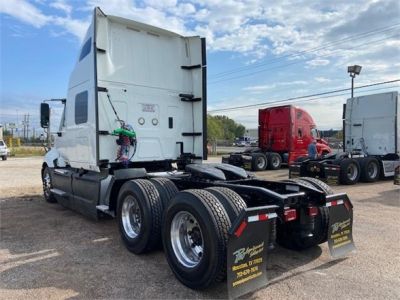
pixel 105 209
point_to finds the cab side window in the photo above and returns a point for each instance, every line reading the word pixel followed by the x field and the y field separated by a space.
pixel 86 49
pixel 300 133
pixel 81 107
pixel 314 133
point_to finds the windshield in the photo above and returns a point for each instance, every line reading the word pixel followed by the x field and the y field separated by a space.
pixel 1 143
pixel 314 133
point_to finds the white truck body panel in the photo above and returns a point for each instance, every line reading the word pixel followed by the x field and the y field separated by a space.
pixel 140 68
pixel 371 124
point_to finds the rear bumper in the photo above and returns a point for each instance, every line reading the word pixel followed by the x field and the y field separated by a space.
pixel 4 152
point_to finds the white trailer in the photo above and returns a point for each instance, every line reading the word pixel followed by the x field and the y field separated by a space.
pixel 371 137
pixel 136 105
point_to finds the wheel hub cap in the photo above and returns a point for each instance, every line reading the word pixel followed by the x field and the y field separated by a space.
pixel 187 239
pixel 131 217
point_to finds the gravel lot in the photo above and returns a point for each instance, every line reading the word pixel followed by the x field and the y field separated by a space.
pixel 50 252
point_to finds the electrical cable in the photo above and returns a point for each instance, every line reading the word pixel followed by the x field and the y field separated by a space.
pixel 302 97
pixel 297 62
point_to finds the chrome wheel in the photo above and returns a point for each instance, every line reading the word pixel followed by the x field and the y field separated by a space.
pixel 131 217
pixel 187 239
pixel 261 162
pixel 372 170
pixel 275 161
pixel 352 172
pixel 46 184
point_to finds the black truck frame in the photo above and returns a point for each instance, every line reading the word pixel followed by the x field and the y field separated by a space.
pixel 345 168
pixel 207 217
pixel 254 159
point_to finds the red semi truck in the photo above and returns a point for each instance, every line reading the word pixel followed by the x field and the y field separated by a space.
pixel 284 133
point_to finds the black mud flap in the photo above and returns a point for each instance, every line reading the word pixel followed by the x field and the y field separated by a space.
pixel 340 232
pixel 294 170
pixel 332 174
pixel 248 249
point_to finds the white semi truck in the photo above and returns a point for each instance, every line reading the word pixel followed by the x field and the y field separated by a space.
pixel 371 150
pixel 131 143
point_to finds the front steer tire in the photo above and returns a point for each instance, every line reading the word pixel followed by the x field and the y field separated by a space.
pixel 212 221
pixel 139 215
pixel 47 186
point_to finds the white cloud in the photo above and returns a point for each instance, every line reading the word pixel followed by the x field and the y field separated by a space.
pixel 62 5
pixel 317 62
pixel 25 12
pixel 28 13
pixel 257 88
pixel 322 79
pixel 76 27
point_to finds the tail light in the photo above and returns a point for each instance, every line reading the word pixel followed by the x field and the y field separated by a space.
pixel 290 215
pixel 312 211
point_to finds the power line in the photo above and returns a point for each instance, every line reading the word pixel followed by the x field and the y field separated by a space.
pixel 310 50
pixel 297 62
pixel 302 97
pixel 331 96
pixel 344 94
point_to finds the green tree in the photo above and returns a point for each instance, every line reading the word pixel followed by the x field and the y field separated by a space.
pixel 222 127
pixel 339 135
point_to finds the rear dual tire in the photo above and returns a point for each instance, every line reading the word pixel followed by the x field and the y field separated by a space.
pixel 349 171
pixel 366 169
pixel 139 215
pixel 370 169
pixel 261 161
pixel 195 238
pixel 274 161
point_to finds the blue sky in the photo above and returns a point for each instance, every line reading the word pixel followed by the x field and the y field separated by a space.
pixel 269 50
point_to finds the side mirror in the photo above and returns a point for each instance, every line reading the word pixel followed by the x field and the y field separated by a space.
pixel 44 115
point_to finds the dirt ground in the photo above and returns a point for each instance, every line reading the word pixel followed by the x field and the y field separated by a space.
pixel 50 252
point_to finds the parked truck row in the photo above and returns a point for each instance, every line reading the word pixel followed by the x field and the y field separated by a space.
pixel 131 143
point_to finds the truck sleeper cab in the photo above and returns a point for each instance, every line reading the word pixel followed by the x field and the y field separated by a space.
pixel 370 143
pixel 284 133
pixel 129 73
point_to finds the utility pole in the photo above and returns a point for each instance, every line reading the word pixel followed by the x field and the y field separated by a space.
pixel 27 128
pixel 24 124
pixel 353 71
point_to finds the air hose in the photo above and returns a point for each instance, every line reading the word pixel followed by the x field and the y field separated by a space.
pixel 126 140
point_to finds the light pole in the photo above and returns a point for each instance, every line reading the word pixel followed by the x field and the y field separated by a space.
pixel 353 71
